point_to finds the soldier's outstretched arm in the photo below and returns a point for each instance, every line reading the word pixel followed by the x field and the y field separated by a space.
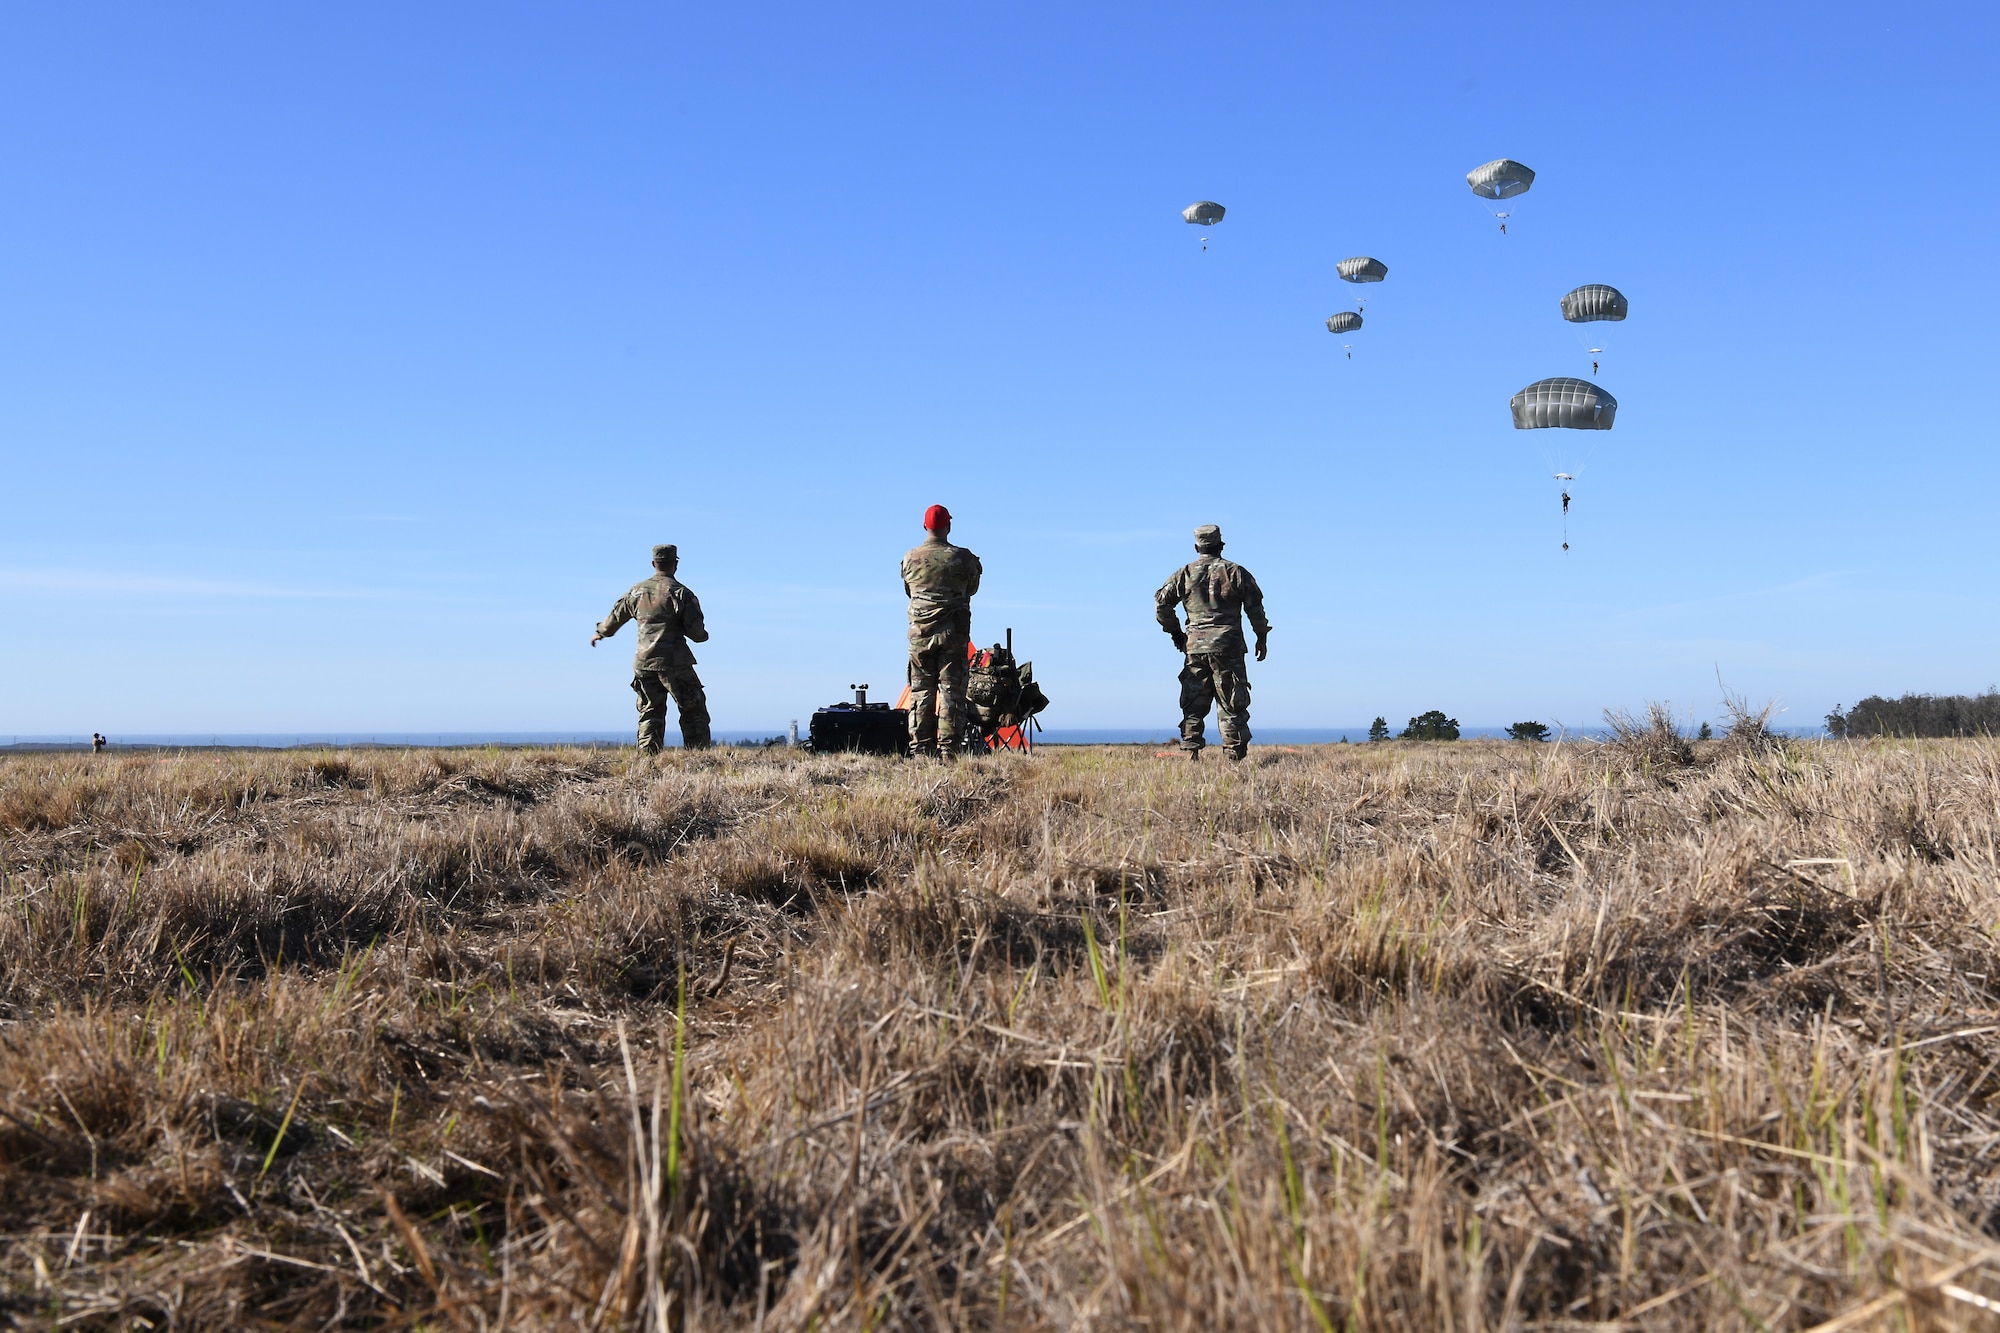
pixel 611 624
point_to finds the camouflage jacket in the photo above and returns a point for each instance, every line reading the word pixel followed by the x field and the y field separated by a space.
pixel 668 615
pixel 939 580
pixel 1217 594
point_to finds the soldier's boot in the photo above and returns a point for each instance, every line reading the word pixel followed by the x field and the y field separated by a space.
pixel 1237 753
pixel 1193 754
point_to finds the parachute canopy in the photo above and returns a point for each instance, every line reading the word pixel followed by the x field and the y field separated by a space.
pixel 1363 269
pixel 1594 301
pixel 1502 178
pixel 1204 212
pixel 1570 403
pixel 1344 322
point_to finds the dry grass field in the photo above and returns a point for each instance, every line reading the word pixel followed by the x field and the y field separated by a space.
pixel 1471 1036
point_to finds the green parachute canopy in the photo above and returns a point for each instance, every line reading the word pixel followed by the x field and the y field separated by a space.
pixel 1594 301
pixel 1502 178
pixel 1344 322
pixel 1572 404
pixel 1204 212
pixel 1363 269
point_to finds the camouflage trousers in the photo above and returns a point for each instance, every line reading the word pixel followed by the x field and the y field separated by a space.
pixel 1220 679
pixel 937 692
pixel 684 687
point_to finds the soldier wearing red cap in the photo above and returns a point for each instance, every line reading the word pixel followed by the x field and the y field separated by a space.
pixel 939 579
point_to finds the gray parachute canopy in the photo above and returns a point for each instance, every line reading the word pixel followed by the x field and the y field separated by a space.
pixel 1570 403
pixel 1502 178
pixel 1204 212
pixel 1363 269
pixel 1344 322
pixel 1594 301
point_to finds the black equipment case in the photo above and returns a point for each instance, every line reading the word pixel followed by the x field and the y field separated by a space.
pixel 860 727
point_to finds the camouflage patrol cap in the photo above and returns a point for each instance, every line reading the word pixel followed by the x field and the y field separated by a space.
pixel 665 555
pixel 1207 536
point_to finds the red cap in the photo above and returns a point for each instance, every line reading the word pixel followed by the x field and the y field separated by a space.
pixel 935 515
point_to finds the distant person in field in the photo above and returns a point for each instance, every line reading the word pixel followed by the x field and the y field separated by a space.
pixel 940 580
pixel 97 743
pixel 1216 595
pixel 669 615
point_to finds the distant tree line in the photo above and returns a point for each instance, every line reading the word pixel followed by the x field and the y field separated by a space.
pixel 1920 715
pixel 1431 726
pixel 1436 725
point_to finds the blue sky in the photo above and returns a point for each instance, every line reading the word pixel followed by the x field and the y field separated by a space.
pixel 352 357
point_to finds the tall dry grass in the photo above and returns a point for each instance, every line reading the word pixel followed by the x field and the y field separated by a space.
pixel 1470 1036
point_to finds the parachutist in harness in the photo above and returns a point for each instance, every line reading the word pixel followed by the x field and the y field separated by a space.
pixel 1361 269
pixel 1498 180
pixel 1565 479
pixel 1203 213
pixel 1594 304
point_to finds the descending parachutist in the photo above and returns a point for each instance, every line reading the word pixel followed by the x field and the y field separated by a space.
pixel 1565 504
pixel 1593 367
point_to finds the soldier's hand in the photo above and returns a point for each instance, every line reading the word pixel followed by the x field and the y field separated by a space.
pixel 1180 643
pixel 1260 650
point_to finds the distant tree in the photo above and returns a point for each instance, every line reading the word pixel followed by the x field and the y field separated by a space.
pixel 1920 715
pixel 1704 734
pixel 1528 731
pixel 1378 730
pixel 1431 726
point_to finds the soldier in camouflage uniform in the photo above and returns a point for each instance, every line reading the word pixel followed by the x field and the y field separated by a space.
pixel 939 579
pixel 669 615
pixel 1217 595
